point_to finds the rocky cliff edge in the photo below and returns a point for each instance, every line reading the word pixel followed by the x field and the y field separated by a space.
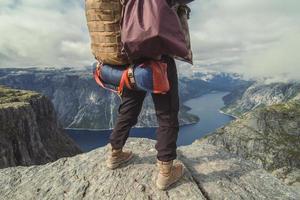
pixel 29 130
pixel 210 173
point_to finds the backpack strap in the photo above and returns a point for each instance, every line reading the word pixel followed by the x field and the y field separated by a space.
pixel 131 78
pixel 122 83
pixel 98 80
pixel 127 79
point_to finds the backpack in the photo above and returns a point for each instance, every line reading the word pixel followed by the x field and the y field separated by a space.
pixel 113 72
pixel 151 28
pixel 103 20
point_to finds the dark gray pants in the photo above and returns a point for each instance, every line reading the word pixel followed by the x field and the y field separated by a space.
pixel 166 107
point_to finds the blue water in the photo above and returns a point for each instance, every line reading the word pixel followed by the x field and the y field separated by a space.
pixel 205 107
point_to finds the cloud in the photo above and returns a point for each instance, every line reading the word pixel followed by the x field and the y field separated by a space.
pixel 255 38
pixel 278 62
pixel 234 36
pixel 43 33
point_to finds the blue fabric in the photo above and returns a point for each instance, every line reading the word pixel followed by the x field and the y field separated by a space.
pixel 144 78
pixel 111 74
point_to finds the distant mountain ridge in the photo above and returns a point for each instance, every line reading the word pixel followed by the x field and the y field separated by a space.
pixel 260 95
pixel 80 103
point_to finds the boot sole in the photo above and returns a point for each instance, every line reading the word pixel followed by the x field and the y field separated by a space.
pixel 116 165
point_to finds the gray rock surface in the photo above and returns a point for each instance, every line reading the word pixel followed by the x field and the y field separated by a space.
pixel 221 175
pixel 210 173
pixel 29 130
pixel 85 176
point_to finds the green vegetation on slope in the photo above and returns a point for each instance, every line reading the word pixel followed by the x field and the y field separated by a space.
pixel 269 136
pixel 291 106
pixel 14 97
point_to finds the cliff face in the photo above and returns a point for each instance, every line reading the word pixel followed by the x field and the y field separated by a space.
pixel 29 131
pixel 210 173
pixel 268 136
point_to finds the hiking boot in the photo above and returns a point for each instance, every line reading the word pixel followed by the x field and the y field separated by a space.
pixel 168 174
pixel 117 157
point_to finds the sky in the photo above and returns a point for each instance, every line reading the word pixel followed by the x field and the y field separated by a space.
pixel 253 37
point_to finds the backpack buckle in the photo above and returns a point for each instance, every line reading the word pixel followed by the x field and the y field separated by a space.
pixel 130 75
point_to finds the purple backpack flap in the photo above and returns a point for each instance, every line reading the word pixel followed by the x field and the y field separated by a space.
pixel 151 28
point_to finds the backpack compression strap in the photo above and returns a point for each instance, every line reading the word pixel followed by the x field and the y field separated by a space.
pixel 98 80
pixel 130 75
pixel 127 80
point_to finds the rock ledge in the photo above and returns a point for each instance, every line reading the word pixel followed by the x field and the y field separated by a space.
pixel 210 173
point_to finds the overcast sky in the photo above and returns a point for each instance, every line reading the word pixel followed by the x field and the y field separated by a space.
pixel 254 37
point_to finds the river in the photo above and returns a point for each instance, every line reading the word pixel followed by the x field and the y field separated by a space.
pixel 205 107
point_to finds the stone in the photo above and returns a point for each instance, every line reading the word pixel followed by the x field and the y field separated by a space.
pixel 221 175
pixel 85 176
pixel 210 173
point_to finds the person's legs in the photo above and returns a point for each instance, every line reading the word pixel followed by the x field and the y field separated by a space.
pixel 128 112
pixel 167 108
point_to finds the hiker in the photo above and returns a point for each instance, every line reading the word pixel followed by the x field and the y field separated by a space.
pixel 140 49
pixel 166 108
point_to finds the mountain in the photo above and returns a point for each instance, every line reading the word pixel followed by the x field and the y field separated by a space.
pixel 80 103
pixel 260 95
pixel 210 173
pixel 255 157
pixel 29 131
pixel 267 129
pixel 268 136
pixel 211 80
